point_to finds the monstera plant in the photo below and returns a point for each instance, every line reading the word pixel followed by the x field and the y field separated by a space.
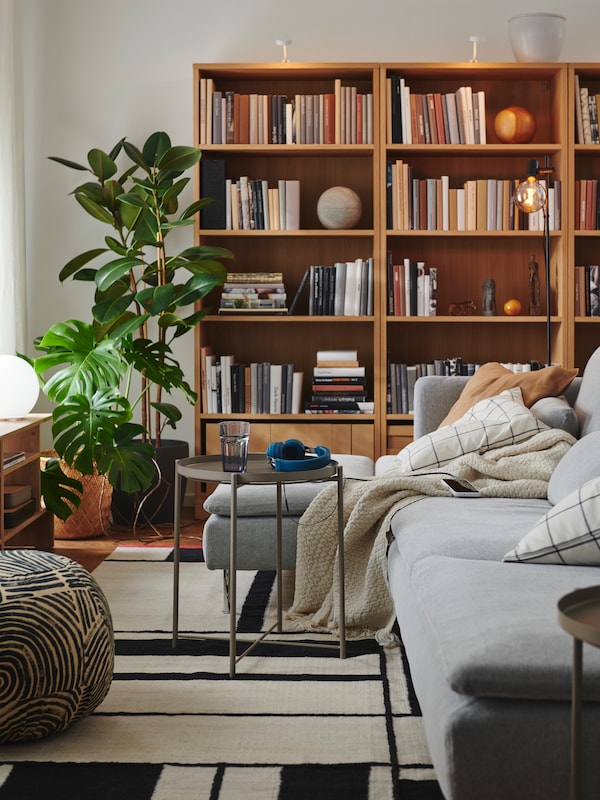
pixel 110 375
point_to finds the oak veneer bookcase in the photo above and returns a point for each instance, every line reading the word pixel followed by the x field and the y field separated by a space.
pixel 463 258
pixel 37 528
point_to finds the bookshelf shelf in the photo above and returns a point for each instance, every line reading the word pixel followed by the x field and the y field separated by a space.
pixel 464 258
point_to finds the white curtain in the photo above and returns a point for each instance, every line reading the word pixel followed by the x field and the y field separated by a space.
pixel 13 319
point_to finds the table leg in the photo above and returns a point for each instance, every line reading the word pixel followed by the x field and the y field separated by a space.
pixel 176 546
pixel 233 576
pixel 341 564
pixel 278 559
pixel 576 719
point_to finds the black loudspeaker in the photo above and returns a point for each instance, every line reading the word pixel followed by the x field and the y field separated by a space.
pixel 292 455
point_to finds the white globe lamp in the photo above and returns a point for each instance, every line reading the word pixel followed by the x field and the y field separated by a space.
pixel 19 387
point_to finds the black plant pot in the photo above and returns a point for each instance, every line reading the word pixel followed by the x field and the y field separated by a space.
pixel 156 506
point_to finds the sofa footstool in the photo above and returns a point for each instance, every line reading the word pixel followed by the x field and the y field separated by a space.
pixel 56 644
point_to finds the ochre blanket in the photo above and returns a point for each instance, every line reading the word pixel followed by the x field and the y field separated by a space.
pixel 520 470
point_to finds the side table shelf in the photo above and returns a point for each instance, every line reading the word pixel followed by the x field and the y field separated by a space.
pixel 579 615
pixel 23 521
pixel 208 469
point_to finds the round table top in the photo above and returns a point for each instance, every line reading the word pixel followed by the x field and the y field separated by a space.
pixel 259 470
pixel 579 614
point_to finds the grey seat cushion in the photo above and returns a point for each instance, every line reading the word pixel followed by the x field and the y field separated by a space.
pixel 495 626
pixel 586 404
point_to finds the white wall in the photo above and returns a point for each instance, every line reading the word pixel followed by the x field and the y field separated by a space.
pixel 97 70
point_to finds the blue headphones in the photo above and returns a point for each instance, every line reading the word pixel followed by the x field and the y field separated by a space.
pixel 292 455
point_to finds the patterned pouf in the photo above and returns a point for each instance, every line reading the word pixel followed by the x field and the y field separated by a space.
pixel 56 644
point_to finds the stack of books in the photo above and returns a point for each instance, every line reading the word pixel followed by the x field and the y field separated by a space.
pixel 254 293
pixel 339 384
pixel 412 288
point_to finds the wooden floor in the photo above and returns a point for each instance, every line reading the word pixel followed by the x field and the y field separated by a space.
pixel 91 552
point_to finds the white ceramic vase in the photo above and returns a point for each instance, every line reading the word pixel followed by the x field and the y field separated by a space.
pixel 536 37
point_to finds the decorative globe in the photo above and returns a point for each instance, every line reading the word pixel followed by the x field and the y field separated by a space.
pixel 339 207
pixel 515 125
pixel 512 307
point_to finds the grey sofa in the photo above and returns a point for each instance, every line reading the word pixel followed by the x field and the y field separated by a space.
pixel 490 663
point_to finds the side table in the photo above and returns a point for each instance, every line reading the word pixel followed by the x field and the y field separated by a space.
pixel 208 469
pixel 579 615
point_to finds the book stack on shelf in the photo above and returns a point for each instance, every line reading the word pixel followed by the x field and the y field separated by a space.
pixel 253 293
pixel 229 387
pixel 482 204
pixel 338 385
pixel 247 203
pixel 587 104
pixel 587 205
pixel 412 288
pixel 587 299
pixel 342 116
pixel 344 289
pixel 435 117
pixel 10 459
pixel 18 503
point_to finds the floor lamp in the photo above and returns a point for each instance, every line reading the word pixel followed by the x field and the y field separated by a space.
pixel 531 196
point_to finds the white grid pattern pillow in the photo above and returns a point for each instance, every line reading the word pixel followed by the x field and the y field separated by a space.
pixel 568 534
pixel 490 423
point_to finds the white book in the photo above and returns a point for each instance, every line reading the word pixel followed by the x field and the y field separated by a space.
pixel 492 199
pixel 332 372
pixel 337 355
pixel 226 404
pixel 254 383
pixel 445 203
pixel 481 106
pixel 460 210
pixel 421 289
pixel 370 288
pixel 499 204
pixel 406 124
pixel 292 205
pixel 340 288
pixel 266 209
pixel 297 392
pixel 275 387
pixel 358 291
pixel 350 289
pixel 281 185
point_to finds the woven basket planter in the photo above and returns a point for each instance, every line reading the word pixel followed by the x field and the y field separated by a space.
pixel 93 516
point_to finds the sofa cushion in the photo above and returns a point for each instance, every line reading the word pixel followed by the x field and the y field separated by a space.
pixel 261 500
pixel 495 630
pixel 557 412
pixel 587 403
pixel 492 379
pixel 568 534
pixel 475 529
pixel 579 464
pixel 493 422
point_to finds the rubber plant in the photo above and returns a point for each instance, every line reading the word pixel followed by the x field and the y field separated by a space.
pixel 118 366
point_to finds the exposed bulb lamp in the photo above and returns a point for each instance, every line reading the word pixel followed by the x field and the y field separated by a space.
pixel 19 387
pixel 530 196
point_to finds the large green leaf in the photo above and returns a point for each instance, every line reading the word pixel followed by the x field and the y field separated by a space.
pixel 75 264
pixel 114 271
pixel 94 209
pixel 132 466
pixel 79 363
pixel 61 492
pixel 109 310
pixel 155 146
pixel 102 164
pixel 179 158
pixel 156 300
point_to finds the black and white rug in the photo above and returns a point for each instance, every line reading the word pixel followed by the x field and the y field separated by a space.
pixel 295 723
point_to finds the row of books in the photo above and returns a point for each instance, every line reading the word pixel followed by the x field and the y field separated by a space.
pixel 344 289
pixel 456 117
pixel 411 288
pixel 587 291
pixel 484 204
pixel 343 116
pixel 247 203
pixel 587 204
pixel 259 292
pixel 228 387
pixel 339 384
pixel 401 378
pixel 587 103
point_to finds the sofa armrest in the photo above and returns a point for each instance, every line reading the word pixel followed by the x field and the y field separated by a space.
pixel 434 397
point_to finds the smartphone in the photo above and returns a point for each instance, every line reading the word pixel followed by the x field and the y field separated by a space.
pixel 460 487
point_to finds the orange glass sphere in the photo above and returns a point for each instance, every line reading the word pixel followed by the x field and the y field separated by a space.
pixel 515 125
pixel 512 307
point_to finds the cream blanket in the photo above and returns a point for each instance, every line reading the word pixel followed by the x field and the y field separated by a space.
pixel 519 470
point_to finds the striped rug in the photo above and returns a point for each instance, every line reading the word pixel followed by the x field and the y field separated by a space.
pixel 296 723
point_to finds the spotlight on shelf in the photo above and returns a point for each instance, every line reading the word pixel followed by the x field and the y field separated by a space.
pixel 532 196
pixel 284 43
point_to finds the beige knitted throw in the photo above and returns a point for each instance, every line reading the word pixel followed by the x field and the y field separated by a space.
pixel 520 470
